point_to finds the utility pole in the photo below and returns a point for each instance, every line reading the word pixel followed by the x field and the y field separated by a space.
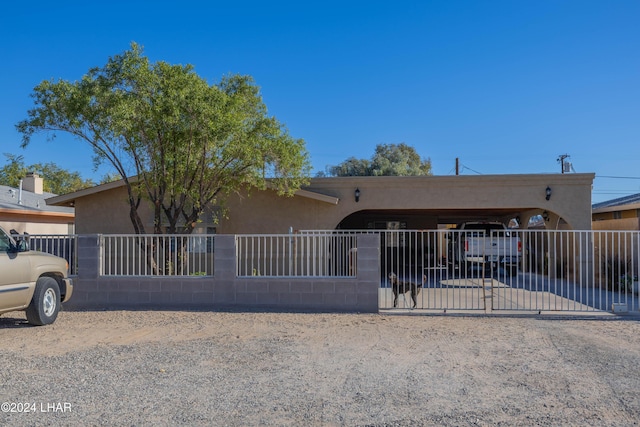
pixel 561 158
pixel 457 166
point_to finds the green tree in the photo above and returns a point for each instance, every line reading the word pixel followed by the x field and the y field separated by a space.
pixel 388 160
pixel 56 179
pixel 110 177
pixel 350 167
pixel 12 172
pixel 173 138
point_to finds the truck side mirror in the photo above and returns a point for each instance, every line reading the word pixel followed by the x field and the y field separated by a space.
pixel 23 246
pixel 20 246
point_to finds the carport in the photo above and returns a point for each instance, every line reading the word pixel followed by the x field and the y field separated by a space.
pixel 564 200
pixel 423 219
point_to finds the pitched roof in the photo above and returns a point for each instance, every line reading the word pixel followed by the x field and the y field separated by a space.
pixel 69 199
pixel 620 201
pixel 12 199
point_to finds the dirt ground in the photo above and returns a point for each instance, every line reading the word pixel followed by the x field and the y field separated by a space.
pixel 229 368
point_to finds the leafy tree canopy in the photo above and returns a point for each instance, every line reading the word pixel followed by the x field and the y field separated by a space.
pixel 56 179
pixel 388 160
pixel 175 140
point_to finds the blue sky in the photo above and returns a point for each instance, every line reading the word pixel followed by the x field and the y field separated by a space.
pixel 506 86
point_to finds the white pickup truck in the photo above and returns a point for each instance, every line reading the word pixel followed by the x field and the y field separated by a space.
pixel 482 245
pixel 32 281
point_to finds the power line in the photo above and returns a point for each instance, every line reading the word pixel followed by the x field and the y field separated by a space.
pixel 467 167
pixel 613 192
pixel 617 177
pixel 459 167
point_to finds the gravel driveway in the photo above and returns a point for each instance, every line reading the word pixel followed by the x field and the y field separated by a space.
pixel 238 369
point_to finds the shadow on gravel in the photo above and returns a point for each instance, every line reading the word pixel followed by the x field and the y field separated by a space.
pixel 217 309
pixel 13 323
pixel 605 316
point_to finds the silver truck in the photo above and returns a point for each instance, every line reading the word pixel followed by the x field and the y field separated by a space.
pixel 32 281
pixel 481 246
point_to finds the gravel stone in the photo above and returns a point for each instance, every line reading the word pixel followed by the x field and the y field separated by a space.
pixel 166 368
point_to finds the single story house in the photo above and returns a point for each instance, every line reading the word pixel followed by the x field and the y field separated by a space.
pixel 236 275
pixel 424 202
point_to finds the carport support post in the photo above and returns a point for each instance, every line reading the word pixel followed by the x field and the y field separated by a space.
pixel 552 240
pixel 554 236
pixel 525 238
pixel 585 259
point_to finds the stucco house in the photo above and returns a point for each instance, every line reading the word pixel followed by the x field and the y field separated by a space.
pixel 24 209
pixel 237 272
pixel 426 202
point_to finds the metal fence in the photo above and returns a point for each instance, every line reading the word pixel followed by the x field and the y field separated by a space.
pixel 531 270
pixel 296 255
pixel 157 255
pixel 515 270
pixel 64 246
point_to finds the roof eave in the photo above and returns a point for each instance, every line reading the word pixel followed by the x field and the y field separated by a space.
pixel 317 196
pixel 69 199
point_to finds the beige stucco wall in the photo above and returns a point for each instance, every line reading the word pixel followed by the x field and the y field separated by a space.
pixel 265 212
pixel 38 223
pixel 107 212
pixel 570 199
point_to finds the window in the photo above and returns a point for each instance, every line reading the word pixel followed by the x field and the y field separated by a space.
pixel 5 242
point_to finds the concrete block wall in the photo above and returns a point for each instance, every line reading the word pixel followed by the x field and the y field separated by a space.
pixel 224 290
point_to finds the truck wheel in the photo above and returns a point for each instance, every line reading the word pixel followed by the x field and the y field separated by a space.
pixel 45 303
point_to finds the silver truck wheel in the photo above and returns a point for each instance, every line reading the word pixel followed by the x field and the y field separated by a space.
pixel 45 303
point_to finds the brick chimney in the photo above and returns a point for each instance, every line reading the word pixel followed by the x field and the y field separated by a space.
pixel 33 183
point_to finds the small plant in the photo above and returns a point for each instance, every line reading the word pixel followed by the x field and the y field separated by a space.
pixel 626 282
pixel 199 273
pixel 615 269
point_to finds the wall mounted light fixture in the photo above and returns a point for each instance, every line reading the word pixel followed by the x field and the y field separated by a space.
pixel 545 215
pixel 548 193
pixel 357 194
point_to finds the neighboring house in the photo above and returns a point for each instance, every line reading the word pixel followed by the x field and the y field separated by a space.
pixel 352 203
pixel 622 213
pixel 25 209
